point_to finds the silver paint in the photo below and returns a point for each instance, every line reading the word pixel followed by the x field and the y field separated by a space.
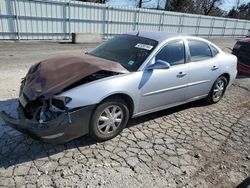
pixel 153 90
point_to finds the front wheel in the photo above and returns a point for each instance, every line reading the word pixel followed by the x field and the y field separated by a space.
pixel 109 119
pixel 217 90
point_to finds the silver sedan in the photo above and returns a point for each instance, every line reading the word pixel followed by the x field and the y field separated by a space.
pixel 130 75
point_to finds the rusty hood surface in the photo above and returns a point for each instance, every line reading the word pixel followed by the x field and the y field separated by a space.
pixel 51 76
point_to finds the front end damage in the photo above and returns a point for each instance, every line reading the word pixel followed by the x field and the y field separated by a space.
pixel 50 120
pixel 65 127
pixel 42 113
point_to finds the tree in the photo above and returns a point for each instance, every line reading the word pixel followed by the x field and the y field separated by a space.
pixel 240 12
pixel 141 2
pixel 94 1
pixel 218 12
pixel 206 6
pixel 179 5
pixel 232 13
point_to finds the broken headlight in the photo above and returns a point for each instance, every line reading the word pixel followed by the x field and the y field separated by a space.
pixel 60 102
pixel 53 108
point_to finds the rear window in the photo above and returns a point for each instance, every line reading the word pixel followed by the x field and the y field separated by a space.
pixel 199 50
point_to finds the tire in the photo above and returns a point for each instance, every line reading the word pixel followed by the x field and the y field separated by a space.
pixel 109 119
pixel 219 83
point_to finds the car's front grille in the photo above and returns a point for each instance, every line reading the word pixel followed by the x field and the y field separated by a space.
pixel 244 54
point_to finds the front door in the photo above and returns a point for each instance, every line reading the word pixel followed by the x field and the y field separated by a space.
pixel 162 87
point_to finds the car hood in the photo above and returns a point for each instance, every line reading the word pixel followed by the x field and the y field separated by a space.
pixel 51 76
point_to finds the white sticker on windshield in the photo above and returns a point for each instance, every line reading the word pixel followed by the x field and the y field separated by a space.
pixel 144 46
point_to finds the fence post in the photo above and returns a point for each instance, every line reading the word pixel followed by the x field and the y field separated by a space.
pixel 211 28
pixel 103 21
pixel 17 20
pixel 10 21
pixel 224 27
pixel 64 21
pixel 244 28
pixel 136 14
pixel 107 21
pixel 235 27
pixel 198 23
pixel 69 20
pixel 181 23
pixel 161 21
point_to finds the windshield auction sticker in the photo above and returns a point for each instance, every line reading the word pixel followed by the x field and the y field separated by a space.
pixel 144 46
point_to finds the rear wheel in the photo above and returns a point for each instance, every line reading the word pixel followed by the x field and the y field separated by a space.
pixel 217 90
pixel 109 119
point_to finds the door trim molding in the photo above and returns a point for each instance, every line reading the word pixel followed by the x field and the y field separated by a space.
pixel 169 106
pixel 165 90
pixel 175 88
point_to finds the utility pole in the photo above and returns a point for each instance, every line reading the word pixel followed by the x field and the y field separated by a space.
pixel 158 5
pixel 140 4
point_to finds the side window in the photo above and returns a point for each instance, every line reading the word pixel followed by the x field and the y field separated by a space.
pixel 173 53
pixel 199 50
pixel 214 50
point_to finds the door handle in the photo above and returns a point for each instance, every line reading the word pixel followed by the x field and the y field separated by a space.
pixel 214 68
pixel 181 74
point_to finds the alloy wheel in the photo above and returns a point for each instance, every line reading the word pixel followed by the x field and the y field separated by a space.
pixel 110 119
pixel 218 90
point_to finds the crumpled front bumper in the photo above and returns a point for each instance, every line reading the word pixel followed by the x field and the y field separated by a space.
pixel 64 128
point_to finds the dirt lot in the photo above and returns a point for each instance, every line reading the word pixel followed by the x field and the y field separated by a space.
pixel 194 145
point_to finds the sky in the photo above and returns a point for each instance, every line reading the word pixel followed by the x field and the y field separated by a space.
pixel 226 5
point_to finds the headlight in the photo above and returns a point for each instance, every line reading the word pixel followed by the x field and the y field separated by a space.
pixel 60 102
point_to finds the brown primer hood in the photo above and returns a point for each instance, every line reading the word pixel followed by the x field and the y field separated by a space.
pixel 51 76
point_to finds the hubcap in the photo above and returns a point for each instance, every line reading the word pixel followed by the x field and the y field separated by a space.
pixel 218 90
pixel 110 119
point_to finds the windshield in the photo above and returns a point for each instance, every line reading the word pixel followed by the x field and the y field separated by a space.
pixel 128 50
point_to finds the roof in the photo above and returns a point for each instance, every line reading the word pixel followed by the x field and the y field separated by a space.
pixel 155 35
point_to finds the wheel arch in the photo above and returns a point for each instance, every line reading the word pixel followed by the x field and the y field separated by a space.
pixel 227 76
pixel 128 99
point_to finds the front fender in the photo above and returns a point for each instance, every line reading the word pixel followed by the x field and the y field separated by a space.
pixel 94 92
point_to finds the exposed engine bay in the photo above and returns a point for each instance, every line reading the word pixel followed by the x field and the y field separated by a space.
pixel 46 109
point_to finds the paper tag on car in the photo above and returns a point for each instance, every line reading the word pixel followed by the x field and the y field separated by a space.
pixel 144 46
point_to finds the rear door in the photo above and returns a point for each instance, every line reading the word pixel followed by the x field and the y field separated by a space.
pixel 204 68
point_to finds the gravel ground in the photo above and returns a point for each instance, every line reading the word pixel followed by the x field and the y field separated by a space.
pixel 193 145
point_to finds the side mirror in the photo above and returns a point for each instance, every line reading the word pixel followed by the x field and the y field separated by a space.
pixel 159 64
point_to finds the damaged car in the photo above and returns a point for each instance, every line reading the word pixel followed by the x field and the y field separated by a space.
pixel 130 75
